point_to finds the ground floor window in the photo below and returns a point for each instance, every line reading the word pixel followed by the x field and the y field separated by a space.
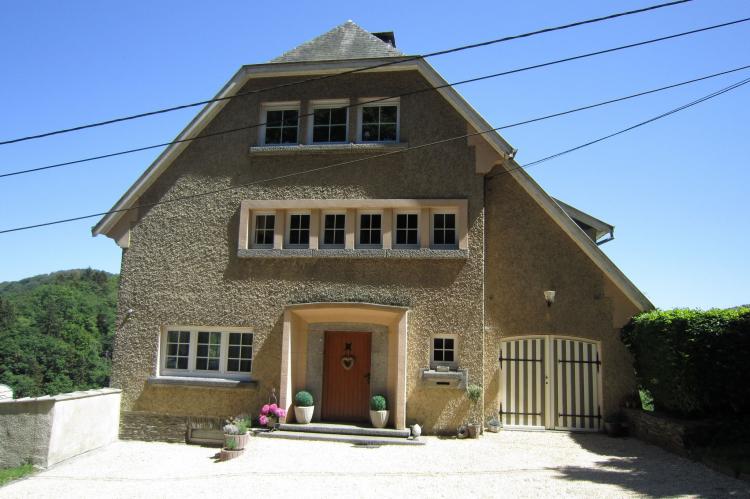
pixel 207 352
pixel 444 351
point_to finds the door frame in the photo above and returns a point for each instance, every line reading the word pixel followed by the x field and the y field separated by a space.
pixel 550 382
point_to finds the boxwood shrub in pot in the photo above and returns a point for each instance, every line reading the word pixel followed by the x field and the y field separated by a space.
pixel 379 411
pixel 304 406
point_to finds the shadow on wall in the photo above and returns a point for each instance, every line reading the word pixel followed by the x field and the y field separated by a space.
pixel 438 411
pixel 648 470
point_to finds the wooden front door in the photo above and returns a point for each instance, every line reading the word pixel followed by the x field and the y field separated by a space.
pixel 346 376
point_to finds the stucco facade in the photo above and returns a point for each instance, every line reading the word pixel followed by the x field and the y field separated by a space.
pixel 183 263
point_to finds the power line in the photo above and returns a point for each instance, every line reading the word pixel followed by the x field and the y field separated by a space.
pixel 429 89
pixel 324 77
pixel 391 153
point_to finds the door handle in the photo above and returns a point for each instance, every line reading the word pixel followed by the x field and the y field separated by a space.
pixel 367 377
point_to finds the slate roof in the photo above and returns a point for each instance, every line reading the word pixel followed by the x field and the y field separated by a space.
pixel 347 41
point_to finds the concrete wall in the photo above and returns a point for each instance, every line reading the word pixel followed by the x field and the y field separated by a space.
pixel 47 430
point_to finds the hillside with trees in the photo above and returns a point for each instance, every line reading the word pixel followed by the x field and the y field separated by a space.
pixel 56 332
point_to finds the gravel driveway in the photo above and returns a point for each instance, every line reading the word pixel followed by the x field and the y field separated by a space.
pixel 508 464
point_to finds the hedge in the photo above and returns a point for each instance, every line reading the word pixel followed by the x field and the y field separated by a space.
pixel 694 363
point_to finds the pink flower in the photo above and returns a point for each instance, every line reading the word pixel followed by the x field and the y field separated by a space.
pixel 265 409
pixel 272 407
pixel 263 420
pixel 281 413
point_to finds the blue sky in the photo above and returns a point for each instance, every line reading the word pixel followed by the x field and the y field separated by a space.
pixel 675 190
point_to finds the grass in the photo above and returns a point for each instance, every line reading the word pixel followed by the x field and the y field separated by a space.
pixel 10 474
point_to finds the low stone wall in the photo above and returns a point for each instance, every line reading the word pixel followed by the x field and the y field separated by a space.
pixel 668 433
pixel 46 430
pixel 153 427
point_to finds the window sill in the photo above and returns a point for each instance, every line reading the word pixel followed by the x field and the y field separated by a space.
pixel 351 147
pixel 201 382
pixel 418 254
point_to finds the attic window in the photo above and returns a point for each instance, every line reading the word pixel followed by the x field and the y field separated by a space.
pixel 379 123
pixel 281 124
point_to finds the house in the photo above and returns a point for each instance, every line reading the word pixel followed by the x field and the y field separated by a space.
pixel 425 269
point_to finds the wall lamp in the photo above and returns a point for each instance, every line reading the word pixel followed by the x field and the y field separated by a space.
pixel 549 297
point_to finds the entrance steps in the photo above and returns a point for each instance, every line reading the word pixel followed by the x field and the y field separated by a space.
pixel 348 433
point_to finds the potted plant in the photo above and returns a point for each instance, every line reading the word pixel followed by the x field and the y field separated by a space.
pixel 378 411
pixel 303 407
pixel 615 424
pixel 493 425
pixel 230 450
pixel 474 393
pixel 270 415
pixel 236 431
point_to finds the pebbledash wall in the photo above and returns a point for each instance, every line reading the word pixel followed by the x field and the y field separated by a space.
pixel 182 265
pixel 47 430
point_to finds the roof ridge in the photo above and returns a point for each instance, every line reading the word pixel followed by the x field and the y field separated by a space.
pixel 345 41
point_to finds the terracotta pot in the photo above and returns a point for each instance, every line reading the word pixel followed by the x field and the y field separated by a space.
pixel 303 415
pixel 240 440
pixel 379 418
pixel 226 454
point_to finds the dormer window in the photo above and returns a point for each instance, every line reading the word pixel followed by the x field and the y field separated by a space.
pixel 281 124
pixel 379 122
pixel 329 122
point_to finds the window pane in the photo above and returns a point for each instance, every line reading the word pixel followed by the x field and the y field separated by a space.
pixel 273 118
pixel 305 221
pixel 439 221
pixel 438 355
pixel 213 364
pixel 273 135
pixel 201 364
pixel 233 365
pixel 172 349
pixel 290 118
pixel 448 356
pixel 202 337
pixel 437 343
pixel 320 134
pixel 400 221
pixel 182 363
pixel 364 236
pixel 202 351
pixel 184 336
pixel 171 362
pixel 304 237
pixel 375 221
pixel 375 237
pixel 400 237
pixel 439 237
pixel 449 343
pixel 289 136
pixel 270 221
pixel 234 338
pixel 234 352
pixel 321 116
pixel 370 133
pixel 412 237
pixel 330 221
pixel 247 339
pixel 412 221
pixel 388 114
pixel 173 336
pixel 388 132
pixel 338 133
pixel 339 237
pixel 183 350
pixel 450 221
pixel 338 116
pixel 450 237
pixel 370 114
pixel 294 237
pixel 245 366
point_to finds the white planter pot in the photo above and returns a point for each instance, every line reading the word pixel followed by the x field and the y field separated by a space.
pixel 379 418
pixel 303 415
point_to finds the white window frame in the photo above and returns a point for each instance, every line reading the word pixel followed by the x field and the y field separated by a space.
pixel 443 211
pixel 434 363
pixel 368 103
pixel 359 227
pixel 394 228
pixel 278 106
pixel 327 104
pixel 288 229
pixel 321 240
pixel 253 226
pixel 191 371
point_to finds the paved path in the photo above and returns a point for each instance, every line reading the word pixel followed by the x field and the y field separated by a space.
pixel 508 464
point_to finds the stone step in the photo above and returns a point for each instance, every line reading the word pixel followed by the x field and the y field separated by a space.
pixel 335 437
pixel 345 429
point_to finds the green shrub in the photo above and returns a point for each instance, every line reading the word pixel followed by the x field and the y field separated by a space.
pixel 693 363
pixel 378 403
pixel 474 392
pixel 303 399
pixel 231 444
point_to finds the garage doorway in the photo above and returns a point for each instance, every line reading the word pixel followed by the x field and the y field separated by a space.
pixel 550 382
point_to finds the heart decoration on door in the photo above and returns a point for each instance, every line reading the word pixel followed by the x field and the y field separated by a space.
pixel 347 360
